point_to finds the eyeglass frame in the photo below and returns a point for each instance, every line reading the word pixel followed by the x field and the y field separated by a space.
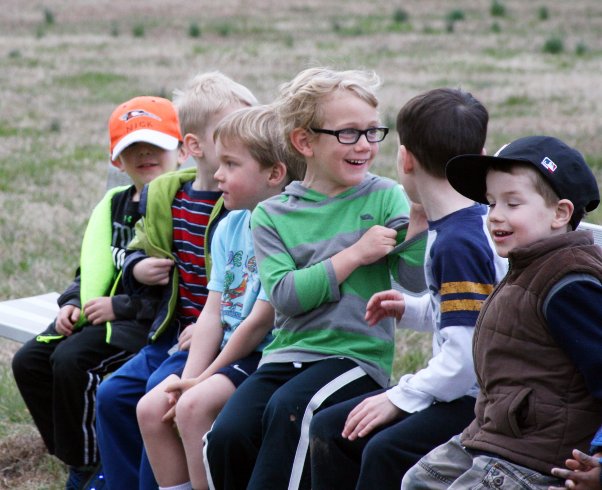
pixel 359 133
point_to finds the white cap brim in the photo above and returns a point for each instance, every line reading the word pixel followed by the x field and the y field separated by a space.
pixel 156 138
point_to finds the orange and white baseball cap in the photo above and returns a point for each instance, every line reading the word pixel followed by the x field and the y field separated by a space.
pixel 149 119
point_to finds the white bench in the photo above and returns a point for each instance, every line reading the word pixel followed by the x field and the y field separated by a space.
pixel 21 319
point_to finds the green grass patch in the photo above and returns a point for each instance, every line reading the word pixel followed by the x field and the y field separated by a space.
pixel 400 16
pixel 199 49
pixel 367 25
pixel 497 9
pixel 29 168
pixel 100 85
pixel 413 351
pixel 553 45
pixel 92 80
pixel 518 100
pixel 12 407
pixel 138 30
pixel 455 15
pixel 581 49
pixel 194 30
pixel 543 13
pixel 48 16
pixel 8 131
pixel 501 52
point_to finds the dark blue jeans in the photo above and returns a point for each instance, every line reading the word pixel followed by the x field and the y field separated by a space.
pixel 119 439
pixel 380 459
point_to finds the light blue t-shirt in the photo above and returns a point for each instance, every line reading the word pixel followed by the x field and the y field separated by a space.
pixel 234 273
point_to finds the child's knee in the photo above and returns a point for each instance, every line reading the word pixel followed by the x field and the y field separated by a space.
pixel 149 410
pixel 20 364
pixel 188 408
pixel 65 364
pixel 320 427
pixel 107 395
pixel 284 406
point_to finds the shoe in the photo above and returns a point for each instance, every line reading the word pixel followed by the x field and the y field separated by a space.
pixel 78 476
pixel 96 480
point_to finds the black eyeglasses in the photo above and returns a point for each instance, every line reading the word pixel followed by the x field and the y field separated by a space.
pixel 351 136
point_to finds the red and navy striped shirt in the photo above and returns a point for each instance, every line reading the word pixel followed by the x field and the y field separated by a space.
pixel 190 211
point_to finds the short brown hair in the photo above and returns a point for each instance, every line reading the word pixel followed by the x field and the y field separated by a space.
pixel 258 128
pixel 440 124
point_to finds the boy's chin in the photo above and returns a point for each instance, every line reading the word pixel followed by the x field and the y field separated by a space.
pixel 502 252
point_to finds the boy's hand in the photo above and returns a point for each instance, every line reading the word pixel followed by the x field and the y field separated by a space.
pixel 66 319
pixel 174 390
pixel 377 242
pixel 99 310
pixel 185 337
pixel 371 413
pixel 153 271
pixel 384 304
pixel 583 472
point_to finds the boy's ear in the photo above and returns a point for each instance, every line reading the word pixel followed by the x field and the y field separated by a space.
pixel 183 154
pixel 301 140
pixel 564 212
pixel 192 145
pixel 118 165
pixel 405 160
pixel 277 174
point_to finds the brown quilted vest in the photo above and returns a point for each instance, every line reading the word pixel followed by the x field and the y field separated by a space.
pixel 533 407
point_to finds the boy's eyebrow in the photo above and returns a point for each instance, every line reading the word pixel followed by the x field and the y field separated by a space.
pixel 505 193
pixel 354 124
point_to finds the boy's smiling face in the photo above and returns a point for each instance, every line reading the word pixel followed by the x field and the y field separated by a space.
pixel 334 167
pixel 143 162
pixel 518 214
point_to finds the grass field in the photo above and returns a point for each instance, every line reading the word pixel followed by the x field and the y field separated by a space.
pixel 64 65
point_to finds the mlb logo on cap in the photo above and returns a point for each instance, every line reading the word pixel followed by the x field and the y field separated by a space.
pixel 549 164
pixel 146 119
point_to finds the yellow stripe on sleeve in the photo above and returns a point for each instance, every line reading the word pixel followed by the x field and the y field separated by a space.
pixel 465 287
pixel 461 305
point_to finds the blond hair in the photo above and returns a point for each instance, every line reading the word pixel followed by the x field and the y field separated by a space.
pixel 205 95
pixel 258 129
pixel 300 101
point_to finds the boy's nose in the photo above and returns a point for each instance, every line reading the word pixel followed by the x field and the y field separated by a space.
pixel 493 215
pixel 145 148
pixel 363 142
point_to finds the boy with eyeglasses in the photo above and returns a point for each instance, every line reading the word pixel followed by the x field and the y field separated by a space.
pixel 371 441
pixel 324 246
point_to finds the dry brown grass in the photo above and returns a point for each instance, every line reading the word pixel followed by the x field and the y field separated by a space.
pixel 24 462
pixel 61 80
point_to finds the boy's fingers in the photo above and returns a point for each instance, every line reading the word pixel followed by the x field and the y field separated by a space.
pixel 561 472
pixel 169 415
pixel 582 457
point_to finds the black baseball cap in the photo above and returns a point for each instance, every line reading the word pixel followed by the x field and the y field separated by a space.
pixel 562 166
